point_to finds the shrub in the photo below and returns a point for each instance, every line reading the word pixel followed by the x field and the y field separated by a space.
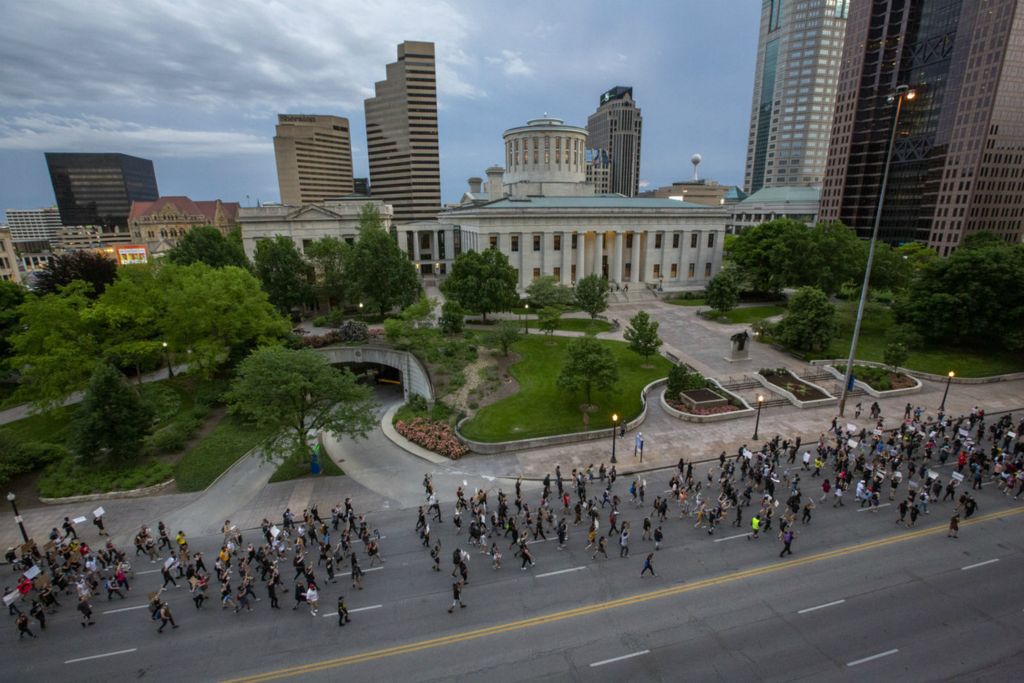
pixel 681 378
pixel 433 435
pixel 66 478
pixel 453 318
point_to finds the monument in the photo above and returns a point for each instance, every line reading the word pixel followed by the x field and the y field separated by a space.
pixel 740 350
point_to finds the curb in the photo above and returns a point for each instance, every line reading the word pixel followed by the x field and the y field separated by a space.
pixel 394 437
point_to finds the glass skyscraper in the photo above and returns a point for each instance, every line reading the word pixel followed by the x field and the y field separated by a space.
pixel 98 189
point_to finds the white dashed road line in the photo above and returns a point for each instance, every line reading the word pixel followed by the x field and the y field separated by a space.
pixel 619 659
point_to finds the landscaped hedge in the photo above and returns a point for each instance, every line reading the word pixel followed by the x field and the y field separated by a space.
pixel 67 478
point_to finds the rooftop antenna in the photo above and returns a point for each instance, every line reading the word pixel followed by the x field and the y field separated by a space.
pixel 695 160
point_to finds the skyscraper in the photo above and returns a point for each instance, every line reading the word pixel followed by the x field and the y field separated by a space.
pixel 798 53
pixel 615 128
pixel 314 158
pixel 956 164
pixel 98 189
pixel 33 225
pixel 401 135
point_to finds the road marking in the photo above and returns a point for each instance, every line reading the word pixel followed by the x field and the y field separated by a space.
pixel 872 657
pixel 608 605
pixel 371 569
pixel 125 609
pixel 560 571
pixel 553 538
pixel 729 538
pixel 105 654
pixel 817 607
pixel 619 659
pixel 979 564
pixel 875 507
pixel 357 609
pixel 148 571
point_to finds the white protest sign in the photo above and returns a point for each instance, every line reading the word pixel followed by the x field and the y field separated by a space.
pixel 850 427
pixel 912 484
pixel 852 443
pixel 747 453
pixel 168 562
pixel 932 474
pixel 958 476
pixel 1011 435
pixel 32 572
pixel 876 431
pixel 78 520
pixel 274 531
pixel 11 598
pixel 964 432
pixel 99 512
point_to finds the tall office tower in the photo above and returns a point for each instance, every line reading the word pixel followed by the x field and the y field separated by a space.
pixel 956 164
pixel 615 128
pixel 34 225
pixel 98 189
pixel 798 53
pixel 314 158
pixel 401 135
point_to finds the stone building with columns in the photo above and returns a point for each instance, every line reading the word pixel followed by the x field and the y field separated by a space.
pixel 543 215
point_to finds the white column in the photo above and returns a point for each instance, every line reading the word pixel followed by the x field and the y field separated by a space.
pixel 634 266
pixel 566 258
pixel 598 251
pixel 683 264
pixel 416 246
pixel 581 254
pixel 524 279
pixel 666 245
pixel 616 273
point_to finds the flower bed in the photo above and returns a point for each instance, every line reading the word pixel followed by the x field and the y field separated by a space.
pixel 433 435
pixel 785 379
pixel 717 410
pixel 879 379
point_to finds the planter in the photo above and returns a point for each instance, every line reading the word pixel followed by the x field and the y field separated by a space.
pixel 798 392
pixel 743 408
pixel 870 390
pixel 697 399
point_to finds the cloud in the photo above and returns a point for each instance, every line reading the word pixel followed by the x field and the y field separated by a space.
pixel 269 55
pixel 645 183
pixel 48 132
pixel 512 64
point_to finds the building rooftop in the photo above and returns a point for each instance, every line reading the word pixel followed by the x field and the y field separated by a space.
pixel 782 195
pixel 595 202
pixel 185 206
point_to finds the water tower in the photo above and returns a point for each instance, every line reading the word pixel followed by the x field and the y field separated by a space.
pixel 695 160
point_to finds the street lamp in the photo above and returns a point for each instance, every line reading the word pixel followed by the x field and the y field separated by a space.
pixel 17 517
pixel 167 357
pixel 526 320
pixel 903 92
pixel 757 423
pixel 615 427
pixel 949 380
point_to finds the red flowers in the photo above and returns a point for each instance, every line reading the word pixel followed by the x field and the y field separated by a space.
pixel 433 435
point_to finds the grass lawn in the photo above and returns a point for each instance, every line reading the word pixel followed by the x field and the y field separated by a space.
pixel 687 302
pixel 297 467
pixel 539 408
pixel 227 442
pixel 747 314
pixel 936 360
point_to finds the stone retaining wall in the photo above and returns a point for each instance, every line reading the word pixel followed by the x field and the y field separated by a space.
pixel 690 417
pixel 775 388
pixel 871 391
pixel 134 493
pixel 927 375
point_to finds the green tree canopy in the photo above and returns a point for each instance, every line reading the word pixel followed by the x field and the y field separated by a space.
pixel 810 321
pixel 207 244
pixel 642 335
pixel 482 282
pixel 505 334
pixel 283 273
pixel 330 258
pixel 592 294
pixel 111 422
pixel 97 270
pixel 12 295
pixel 588 365
pixel 297 393
pixel 548 317
pixel 382 276
pixel 723 291
pixel 452 317
pixel 768 254
pixel 546 291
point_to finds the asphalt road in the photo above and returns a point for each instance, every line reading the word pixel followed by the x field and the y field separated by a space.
pixel 859 597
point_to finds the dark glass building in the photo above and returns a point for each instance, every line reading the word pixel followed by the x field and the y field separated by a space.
pixel 956 164
pixel 98 189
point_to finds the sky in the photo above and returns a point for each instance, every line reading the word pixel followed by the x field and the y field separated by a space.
pixel 196 86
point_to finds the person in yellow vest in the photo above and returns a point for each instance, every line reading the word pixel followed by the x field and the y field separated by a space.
pixel 755 527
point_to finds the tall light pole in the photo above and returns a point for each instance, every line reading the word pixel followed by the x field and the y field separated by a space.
pixel 17 517
pixel 615 427
pixel 167 357
pixel 902 92
pixel 526 320
pixel 949 380
pixel 757 422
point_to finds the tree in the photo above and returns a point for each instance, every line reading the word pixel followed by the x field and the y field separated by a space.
pixel 810 321
pixel 505 334
pixel 453 317
pixel 680 379
pixel 282 272
pixel 832 255
pixel 592 294
pixel 723 291
pixel 330 258
pixel 111 422
pixel 296 394
pixel 768 253
pixel 642 335
pixel 546 291
pixel 382 276
pixel 12 295
pixel 207 244
pixel 589 365
pixel 895 355
pixel 482 282
pixel 95 269
pixel 548 317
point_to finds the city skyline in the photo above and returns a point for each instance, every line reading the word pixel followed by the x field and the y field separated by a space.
pixel 210 132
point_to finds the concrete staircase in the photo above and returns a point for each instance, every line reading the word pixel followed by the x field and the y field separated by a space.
pixel 636 294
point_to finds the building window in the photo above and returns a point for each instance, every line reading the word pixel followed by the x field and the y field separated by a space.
pixel 674 271
pixel 657 240
pixel 536 273
pixel 575 240
pixel 657 270
pixel 572 271
pixel 711 240
pixel 693 241
pixel 707 270
pixel 558 273
pixel 536 242
pixel 691 271
pixel 493 241
pixel 306 244
pixel 675 240
pixel 440 244
pixel 558 243
pixel 515 243
pixel 629 240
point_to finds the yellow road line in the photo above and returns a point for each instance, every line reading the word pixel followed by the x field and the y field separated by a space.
pixel 610 604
